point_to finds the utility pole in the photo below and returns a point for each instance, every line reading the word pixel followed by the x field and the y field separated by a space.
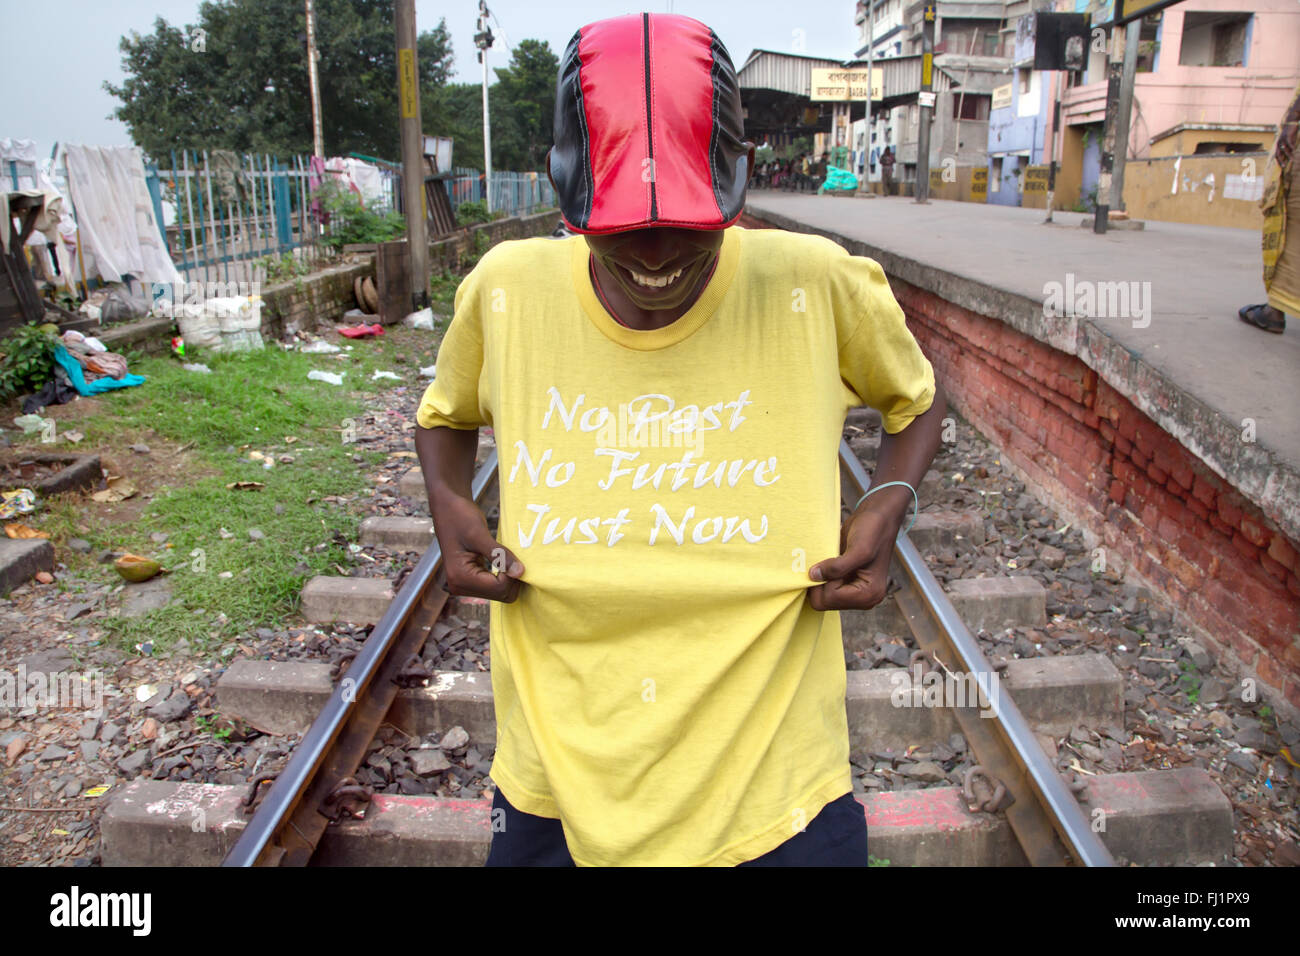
pixel 1115 81
pixel 1132 37
pixel 871 48
pixel 483 40
pixel 408 95
pixel 1050 143
pixel 317 138
pixel 926 99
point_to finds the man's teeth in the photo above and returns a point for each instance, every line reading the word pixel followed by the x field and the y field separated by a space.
pixel 655 283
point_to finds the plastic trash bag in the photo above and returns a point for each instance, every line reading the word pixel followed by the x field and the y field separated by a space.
pixel 420 320
pixel 839 180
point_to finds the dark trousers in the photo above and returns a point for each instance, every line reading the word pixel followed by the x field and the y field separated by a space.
pixel 837 836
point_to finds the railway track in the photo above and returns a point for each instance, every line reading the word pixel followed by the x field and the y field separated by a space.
pixel 1013 805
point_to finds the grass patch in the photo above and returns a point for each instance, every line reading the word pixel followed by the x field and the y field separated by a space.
pixel 254 401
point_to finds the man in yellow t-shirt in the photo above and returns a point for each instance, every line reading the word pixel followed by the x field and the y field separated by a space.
pixel 667 391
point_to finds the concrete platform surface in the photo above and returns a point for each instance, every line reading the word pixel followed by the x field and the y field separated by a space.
pixel 1180 354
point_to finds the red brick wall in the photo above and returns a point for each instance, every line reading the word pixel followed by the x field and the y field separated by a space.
pixel 1176 524
pixel 1178 527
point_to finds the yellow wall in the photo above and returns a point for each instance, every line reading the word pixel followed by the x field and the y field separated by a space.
pixel 1148 190
pixel 1069 172
pixel 1033 193
pixel 971 184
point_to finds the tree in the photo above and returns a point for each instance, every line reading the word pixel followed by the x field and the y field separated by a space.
pixel 527 94
pixel 521 104
pixel 238 78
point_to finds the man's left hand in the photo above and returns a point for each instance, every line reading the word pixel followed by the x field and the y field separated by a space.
pixel 859 577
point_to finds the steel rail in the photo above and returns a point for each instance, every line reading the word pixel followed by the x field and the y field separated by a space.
pixel 288 824
pixel 1043 798
pixel 272 837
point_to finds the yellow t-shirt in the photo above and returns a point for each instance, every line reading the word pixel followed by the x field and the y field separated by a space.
pixel 662 685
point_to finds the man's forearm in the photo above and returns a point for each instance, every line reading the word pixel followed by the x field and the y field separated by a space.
pixel 447 460
pixel 907 455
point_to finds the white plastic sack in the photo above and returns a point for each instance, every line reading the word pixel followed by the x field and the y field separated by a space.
pixel 420 320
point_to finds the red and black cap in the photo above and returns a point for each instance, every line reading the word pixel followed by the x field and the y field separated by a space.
pixel 648 127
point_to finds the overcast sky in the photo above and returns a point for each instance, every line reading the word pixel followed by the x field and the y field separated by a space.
pixel 57 56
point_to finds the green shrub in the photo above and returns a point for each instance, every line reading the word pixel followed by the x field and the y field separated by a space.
pixel 26 359
pixel 468 213
pixel 351 222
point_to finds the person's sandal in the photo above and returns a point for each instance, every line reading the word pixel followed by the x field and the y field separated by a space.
pixel 1263 316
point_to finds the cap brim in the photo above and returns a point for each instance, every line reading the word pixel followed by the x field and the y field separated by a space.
pixel 656 224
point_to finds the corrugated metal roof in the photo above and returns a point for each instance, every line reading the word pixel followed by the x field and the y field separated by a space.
pixel 792 73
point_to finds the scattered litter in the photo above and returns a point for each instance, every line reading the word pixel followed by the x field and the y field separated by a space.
pixel 29 423
pixel 221 323
pixel 319 376
pixel 356 315
pixel 135 568
pixel 320 345
pixel 197 367
pixel 16 529
pixel 72 335
pixel 224 533
pixel 245 486
pixel 361 331
pixel 267 461
pixel 378 375
pixel 145 691
pixel 98 791
pixel 16 502
pixel 73 436
pixel 429 371
pixel 420 320
pixel 145 649
pixel 119 489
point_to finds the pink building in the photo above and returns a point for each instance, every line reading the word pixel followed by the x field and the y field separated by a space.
pixel 1216 62
pixel 1214 77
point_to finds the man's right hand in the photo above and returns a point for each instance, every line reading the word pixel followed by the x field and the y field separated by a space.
pixel 470 555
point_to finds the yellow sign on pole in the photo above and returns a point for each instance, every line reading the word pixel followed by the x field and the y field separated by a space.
pixel 406 70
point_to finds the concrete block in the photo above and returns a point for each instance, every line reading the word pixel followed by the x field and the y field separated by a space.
pixel 989 603
pixel 1162 817
pixel 452 699
pixel 21 558
pixel 1054 694
pixel 397 532
pixel 994 604
pixel 1057 694
pixel 471 609
pixel 1156 817
pixel 276 697
pixel 957 530
pixel 354 600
